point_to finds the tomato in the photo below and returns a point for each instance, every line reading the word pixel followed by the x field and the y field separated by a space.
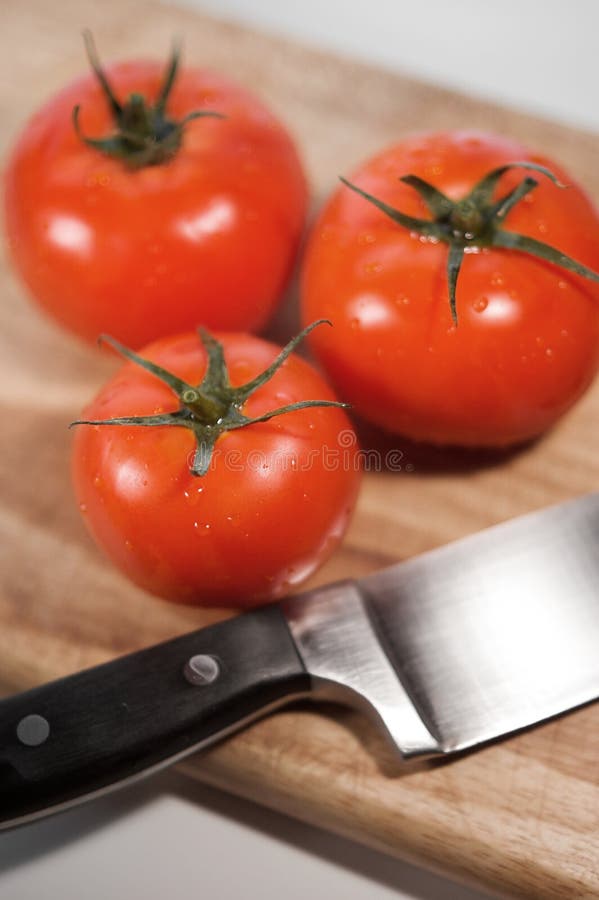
pixel 526 342
pixel 275 498
pixel 207 236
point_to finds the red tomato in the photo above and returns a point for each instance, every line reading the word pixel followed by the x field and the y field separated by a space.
pixel 271 508
pixel 207 237
pixel 526 345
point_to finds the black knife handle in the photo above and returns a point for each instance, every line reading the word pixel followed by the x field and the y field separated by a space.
pixel 76 736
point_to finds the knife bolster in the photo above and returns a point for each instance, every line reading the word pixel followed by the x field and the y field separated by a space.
pixel 334 631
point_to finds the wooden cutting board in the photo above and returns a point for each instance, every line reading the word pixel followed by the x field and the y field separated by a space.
pixel 521 817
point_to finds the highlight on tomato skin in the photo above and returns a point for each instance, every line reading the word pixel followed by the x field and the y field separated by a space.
pixel 523 345
pixel 276 496
pixel 206 233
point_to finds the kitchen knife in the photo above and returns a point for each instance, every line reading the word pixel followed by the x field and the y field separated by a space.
pixel 454 648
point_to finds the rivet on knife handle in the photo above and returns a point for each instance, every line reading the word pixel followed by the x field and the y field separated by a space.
pixel 80 735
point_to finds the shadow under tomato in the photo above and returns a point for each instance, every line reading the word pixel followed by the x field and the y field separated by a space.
pixel 398 454
pixel 285 323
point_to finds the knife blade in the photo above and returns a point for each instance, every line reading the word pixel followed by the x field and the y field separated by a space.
pixel 459 646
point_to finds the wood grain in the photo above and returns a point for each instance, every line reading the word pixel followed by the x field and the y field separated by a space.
pixel 521 817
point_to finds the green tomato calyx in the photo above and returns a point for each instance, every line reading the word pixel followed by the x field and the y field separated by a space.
pixel 475 221
pixel 144 135
pixel 214 406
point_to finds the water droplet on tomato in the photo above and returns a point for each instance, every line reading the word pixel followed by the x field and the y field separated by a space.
pixel 355 324
pixel 549 352
pixel 97 480
pixel 480 304
pixel 497 279
pixel 128 545
pixel 83 507
pixel 542 227
pixel 366 237
pixel 372 268
pixel 564 333
pixel 192 496
pixel 433 170
pixel 562 285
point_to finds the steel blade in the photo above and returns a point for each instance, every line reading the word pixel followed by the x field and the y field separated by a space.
pixel 497 631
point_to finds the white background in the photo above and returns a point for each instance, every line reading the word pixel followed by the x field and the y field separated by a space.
pixel 167 838
pixel 537 55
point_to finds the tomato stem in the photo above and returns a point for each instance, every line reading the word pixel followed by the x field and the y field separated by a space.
pixel 144 135
pixel 214 406
pixel 474 222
